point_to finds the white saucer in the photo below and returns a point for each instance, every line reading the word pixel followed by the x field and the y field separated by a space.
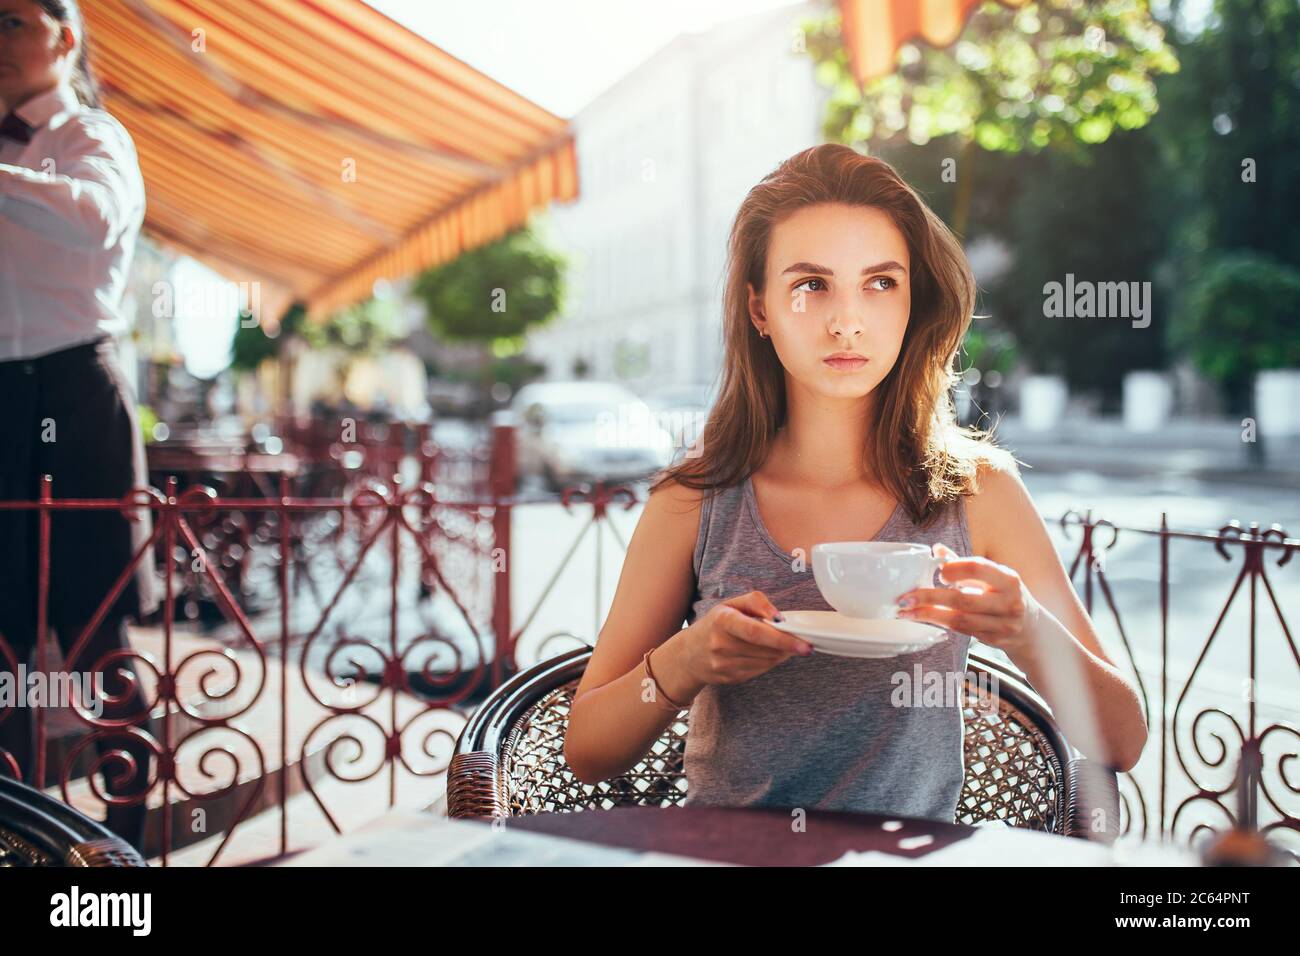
pixel 834 633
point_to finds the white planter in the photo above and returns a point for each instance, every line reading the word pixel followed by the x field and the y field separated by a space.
pixel 1148 401
pixel 1042 402
pixel 1277 402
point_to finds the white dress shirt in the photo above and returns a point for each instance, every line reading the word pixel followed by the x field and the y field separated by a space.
pixel 71 207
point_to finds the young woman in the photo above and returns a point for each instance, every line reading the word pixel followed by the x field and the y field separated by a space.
pixel 846 301
pixel 71 207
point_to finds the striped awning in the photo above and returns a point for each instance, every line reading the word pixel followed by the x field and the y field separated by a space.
pixel 873 30
pixel 316 145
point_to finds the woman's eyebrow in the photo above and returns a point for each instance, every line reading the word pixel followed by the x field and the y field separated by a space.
pixel 809 267
pixel 889 265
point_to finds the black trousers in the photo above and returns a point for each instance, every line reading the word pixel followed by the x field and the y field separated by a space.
pixel 71 415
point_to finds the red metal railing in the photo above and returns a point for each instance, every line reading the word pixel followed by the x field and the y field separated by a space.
pixel 1182 734
pixel 349 576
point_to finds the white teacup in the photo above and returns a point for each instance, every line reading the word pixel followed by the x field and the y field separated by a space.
pixel 866 578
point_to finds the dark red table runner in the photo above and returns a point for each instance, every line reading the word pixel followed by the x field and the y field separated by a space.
pixel 753 837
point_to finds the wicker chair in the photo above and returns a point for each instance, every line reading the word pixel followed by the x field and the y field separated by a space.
pixel 38 830
pixel 509 759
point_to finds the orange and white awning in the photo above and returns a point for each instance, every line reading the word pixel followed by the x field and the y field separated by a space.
pixel 316 145
pixel 873 30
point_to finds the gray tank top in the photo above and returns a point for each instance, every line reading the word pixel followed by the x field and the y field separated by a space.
pixel 821 731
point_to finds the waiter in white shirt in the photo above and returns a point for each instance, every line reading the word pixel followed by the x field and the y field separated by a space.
pixel 71 207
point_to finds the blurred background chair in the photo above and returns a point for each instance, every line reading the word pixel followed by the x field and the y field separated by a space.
pixel 509 759
pixel 38 830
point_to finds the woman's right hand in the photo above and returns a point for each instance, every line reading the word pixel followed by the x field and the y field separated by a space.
pixel 734 642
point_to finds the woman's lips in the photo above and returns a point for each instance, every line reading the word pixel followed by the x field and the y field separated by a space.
pixel 845 364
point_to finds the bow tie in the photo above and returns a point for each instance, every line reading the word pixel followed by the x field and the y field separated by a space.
pixel 14 127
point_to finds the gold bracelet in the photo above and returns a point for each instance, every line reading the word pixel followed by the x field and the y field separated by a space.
pixel 659 691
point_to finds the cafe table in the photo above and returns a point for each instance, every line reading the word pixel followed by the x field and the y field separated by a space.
pixel 232 467
pixel 651 836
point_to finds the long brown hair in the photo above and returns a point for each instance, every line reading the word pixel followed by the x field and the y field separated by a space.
pixel 919 453
pixel 83 78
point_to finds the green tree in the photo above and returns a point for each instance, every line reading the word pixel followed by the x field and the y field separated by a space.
pixel 495 293
pixel 1103 219
pixel 1241 318
pixel 1057 73
pixel 1230 133
pixel 251 345
pixel 492 296
pixel 1229 137
pixel 363 328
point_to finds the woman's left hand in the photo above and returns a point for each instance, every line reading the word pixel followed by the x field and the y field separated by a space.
pixel 988 601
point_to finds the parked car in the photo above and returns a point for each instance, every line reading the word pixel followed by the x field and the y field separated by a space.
pixel 682 409
pixel 575 431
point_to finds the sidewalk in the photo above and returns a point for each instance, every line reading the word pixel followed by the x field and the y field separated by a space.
pixel 1204 450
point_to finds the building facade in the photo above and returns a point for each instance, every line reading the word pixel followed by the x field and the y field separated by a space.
pixel 665 157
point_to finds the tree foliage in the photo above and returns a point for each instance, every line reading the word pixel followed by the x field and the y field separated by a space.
pixel 495 292
pixel 1229 142
pixel 362 328
pixel 1057 73
pixel 1230 134
pixel 1241 317
pixel 251 345
pixel 1101 221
